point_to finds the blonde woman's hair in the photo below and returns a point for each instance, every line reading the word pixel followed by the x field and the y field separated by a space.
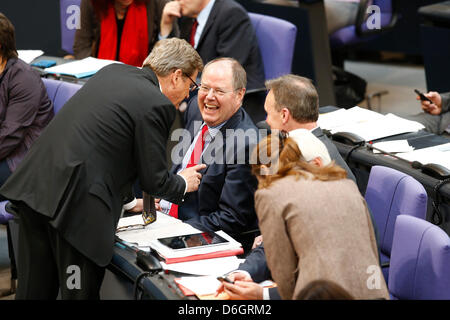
pixel 290 162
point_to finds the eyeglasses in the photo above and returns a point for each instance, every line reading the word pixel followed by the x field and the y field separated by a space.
pixel 217 92
pixel 193 85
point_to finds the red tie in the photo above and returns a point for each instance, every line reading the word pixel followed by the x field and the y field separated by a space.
pixel 193 30
pixel 194 160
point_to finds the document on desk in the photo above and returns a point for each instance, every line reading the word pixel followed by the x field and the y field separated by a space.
pixel 393 146
pixel 80 68
pixel 164 226
pixel 206 287
pixel 206 267
pixel 29 55
pixel 367 124
pixel 437 154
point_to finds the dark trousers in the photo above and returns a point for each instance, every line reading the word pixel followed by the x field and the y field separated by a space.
pixel 47 263
pixel 4 174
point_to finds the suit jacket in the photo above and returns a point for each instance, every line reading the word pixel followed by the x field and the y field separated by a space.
pixel 112 131
pixel 87 38
pixel 225 198
pixel 318 230
pixel 229 33
pixel 334 153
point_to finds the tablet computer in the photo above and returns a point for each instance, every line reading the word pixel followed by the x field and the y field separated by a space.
pixel 195 240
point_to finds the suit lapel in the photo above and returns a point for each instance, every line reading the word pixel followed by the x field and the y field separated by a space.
pixel 212 16
pixel 231 124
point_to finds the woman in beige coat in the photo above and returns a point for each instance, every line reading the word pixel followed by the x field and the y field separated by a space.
pixel 315 223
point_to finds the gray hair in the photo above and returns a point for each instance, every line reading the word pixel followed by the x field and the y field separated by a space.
pixel 239 75
pixel 173 53
pixel 298 95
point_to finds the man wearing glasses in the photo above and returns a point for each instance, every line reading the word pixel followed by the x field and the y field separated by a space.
pixel 221 135
pixel 70 188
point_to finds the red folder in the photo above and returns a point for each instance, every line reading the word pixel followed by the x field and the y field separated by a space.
pixel 211 255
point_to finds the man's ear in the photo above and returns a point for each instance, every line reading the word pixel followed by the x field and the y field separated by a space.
pixel 176 76
pixel 285 115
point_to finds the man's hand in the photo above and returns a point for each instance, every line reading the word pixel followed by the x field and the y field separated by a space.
pixel 257 242
pixel 157 205
pixel 192 177
pixel 235 276
pixel 434 108
pixel 171 11
pixel 244 290
pixel 139 207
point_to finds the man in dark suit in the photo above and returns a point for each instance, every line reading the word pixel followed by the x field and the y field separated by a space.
pixel 292 103
pixel 70 188
pixel 225 198
pixel 217 28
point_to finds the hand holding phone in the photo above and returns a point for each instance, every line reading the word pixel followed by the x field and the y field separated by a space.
pixel 225 278
pixel 422 96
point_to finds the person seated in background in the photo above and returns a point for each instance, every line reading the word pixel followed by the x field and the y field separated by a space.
pixel 436 115
pixel 224 200
pixel 216 28
pixel 315 223
pixel 25 108
pixel 122 30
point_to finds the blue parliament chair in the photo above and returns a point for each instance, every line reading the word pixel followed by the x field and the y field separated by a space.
pixel 60 91
pixel 419 261
pixel 69 21
pixel 391 193
pixel 359 32
pixel 276 40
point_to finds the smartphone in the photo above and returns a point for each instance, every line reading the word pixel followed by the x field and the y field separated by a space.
pixel 422 96
pixel 225 278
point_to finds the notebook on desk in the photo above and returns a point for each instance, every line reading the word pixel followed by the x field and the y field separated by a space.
pixel 80 68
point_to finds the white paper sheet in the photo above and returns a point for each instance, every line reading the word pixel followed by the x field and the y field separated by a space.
pixel 393 146
pixel 200 285
pixel 80 68
pixel 29 55
pixel 207 267
pixel 438 154
pixel 367 124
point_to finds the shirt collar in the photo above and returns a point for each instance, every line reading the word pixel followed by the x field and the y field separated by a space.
pixel 204 14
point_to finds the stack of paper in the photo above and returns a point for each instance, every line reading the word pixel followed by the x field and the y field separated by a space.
pixel 206 267
pixel 438 154
pixel 164 226
pixel 367 124
pixel 146 237
pixel 80 68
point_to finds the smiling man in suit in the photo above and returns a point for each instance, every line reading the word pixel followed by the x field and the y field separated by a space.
pixel 224 200
pixel 216 28
pixel 70 188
